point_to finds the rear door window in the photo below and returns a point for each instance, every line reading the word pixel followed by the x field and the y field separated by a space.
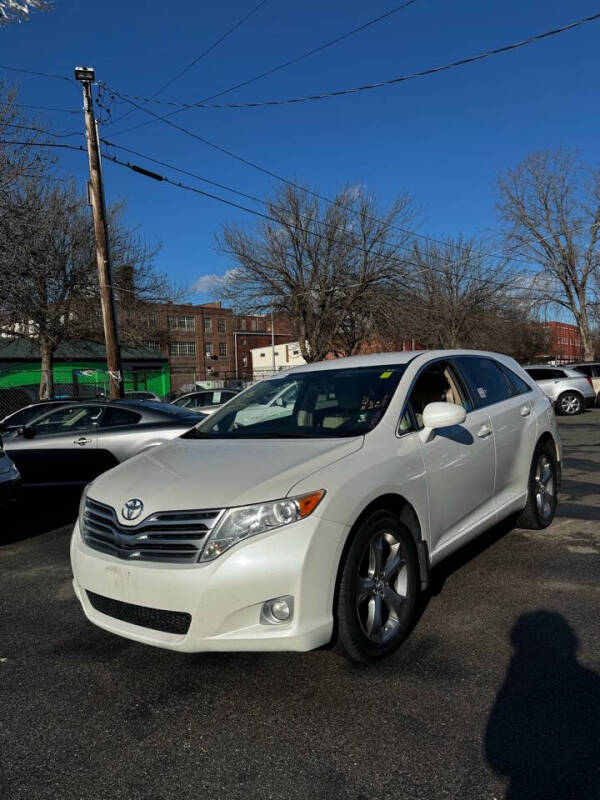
pixel 518 385
pixel 488 383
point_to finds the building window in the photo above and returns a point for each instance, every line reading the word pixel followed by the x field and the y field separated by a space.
pixel 155 346
pixel 183 323
pixel 243 324
pixel 244 360
pixel 263 355
pixel 222 348
pixel 244 341
pixel 208 348
pixel 222 325
pixel 182 348
pixel 207 325
pixel 254 324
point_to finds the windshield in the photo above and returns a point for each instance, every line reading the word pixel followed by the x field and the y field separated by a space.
pixel 323 403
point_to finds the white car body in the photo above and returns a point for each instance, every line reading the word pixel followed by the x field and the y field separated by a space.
pixel 447 487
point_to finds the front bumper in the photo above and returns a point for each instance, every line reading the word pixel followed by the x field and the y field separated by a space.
pixel 224 597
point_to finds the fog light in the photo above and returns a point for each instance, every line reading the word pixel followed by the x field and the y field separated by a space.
pixel 278 610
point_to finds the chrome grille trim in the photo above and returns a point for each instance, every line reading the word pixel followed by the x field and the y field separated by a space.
pixel 175 537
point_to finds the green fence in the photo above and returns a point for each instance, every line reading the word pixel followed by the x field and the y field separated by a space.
pixel 20 384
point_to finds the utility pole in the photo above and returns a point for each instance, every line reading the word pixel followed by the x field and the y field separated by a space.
pixel 86 76
pixel 273 340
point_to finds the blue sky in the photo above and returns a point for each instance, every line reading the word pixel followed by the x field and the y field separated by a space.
pixel 443 138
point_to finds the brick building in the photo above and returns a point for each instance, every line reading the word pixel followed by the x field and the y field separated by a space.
pixel 564 342
pixel 252 332
pixel 198 341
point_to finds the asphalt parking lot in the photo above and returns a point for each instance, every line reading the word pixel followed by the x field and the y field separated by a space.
pixel 495 694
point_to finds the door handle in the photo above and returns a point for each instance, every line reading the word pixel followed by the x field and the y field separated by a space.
pixel 525 411
pixel 82 441
pixel 484 432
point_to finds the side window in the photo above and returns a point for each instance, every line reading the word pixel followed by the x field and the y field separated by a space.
pixel 488 383
pixel 518 385
pixel 437 383
pixel 114 416
pixel 558 373
pixel 71 418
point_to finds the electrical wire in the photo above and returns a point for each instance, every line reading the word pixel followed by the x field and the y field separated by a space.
pixel 204 53
pixel 165 179
pixel 296 59
pixel 41 108
pixel 379 84
pixel 40 130
pixel 266 203
pixel 37 73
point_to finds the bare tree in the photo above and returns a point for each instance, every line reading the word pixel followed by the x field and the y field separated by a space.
pixel 324 268
pixel 19 10
pixel 551 206
pixel 451 294
pixel 46 264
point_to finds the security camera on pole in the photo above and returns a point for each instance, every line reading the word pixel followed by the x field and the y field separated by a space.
pixel 109 318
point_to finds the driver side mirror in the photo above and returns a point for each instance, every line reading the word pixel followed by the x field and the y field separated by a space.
pixel 28 433
pixel 440 415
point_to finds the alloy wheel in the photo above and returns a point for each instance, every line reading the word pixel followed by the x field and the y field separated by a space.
pixel 544 487
pixel 381 587
pixel 570 404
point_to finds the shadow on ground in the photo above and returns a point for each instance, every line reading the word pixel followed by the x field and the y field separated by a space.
pixel 543 733
pixel 38 511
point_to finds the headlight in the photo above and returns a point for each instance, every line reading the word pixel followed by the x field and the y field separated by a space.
pixel 239 523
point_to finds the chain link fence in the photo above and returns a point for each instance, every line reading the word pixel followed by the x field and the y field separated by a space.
pixel 19 388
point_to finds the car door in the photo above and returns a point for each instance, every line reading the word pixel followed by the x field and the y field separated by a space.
pixel 120 436
pixel 60 447
pixel 459 461
pixel 509 402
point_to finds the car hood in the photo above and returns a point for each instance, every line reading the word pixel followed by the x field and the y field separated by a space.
pixel 200 473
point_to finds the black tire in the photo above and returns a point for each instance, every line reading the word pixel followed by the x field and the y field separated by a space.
pixel 536 516
pixel 393 591
pixel 569 404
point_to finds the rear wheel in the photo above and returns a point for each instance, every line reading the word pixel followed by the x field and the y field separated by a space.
pixel 570 403
pixel 543 489
pixel 378 588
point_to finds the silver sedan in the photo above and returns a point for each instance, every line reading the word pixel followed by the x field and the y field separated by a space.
pixel 75 443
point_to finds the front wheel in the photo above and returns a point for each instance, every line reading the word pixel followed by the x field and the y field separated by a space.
pixel 570 403
pixel 378 589
pixel 542 494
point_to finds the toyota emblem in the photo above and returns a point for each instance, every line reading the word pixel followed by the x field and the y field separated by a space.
pixel 132 509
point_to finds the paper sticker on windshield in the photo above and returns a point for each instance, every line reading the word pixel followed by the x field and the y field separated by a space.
pixel 482 392
pixel 386 374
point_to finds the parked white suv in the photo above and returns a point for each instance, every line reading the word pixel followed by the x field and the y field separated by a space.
pixel 262 536
pixel 569 389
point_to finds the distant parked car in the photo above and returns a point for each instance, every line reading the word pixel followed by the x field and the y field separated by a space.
pixel 10 480
pixel 142 396
pixel 24 416
pixel 568 389
pixel 75 443
pixel 591 369
pixel 206 401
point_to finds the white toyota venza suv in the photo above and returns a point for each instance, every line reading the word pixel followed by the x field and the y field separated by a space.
pixel 321 523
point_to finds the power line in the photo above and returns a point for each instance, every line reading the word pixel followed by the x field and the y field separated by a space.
pixel 269 172
pixel 294 60
pixel 40 130
pixel 265 203
pixel 204 53
pixel 37 73
pixel 163 178
pixel 41 108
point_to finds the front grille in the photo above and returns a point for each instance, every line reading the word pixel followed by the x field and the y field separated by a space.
pixel 175 537
pixel 155 618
